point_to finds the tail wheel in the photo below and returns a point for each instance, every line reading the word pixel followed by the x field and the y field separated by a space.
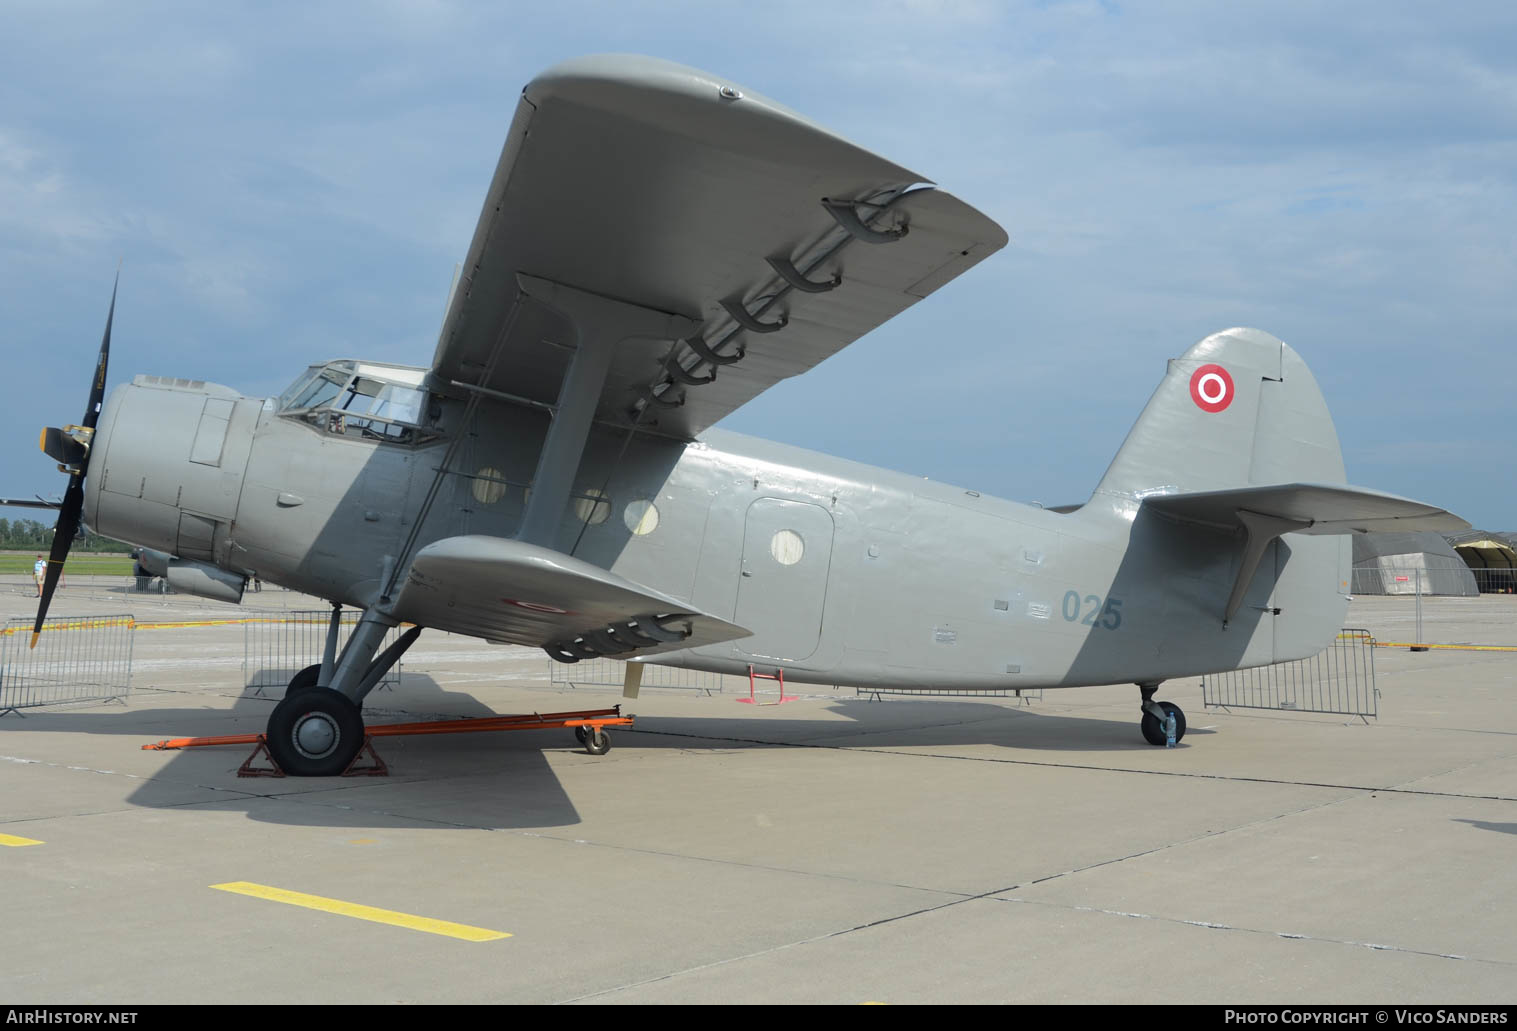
pixel 1153 730
pixel 315 733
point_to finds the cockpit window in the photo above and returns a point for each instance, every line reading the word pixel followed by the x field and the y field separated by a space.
pixel 323 389
pixel 366 404
pixel 389 401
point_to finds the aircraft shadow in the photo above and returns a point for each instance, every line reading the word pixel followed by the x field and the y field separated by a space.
pixel 1486 825
pixel 875 726
pixel 504 780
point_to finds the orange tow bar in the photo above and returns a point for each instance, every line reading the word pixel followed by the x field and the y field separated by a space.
pixel 590 720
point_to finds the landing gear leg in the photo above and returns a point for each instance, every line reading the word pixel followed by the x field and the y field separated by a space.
pixel 1163 722
pixel 317 731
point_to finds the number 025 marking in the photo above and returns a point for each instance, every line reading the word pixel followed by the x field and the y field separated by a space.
pixel 1102 612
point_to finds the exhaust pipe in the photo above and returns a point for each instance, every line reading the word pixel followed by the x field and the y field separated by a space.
pixel 188 576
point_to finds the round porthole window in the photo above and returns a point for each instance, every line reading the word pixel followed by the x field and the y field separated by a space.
pixel 641 517
pixel 488 488
pixel 787 547
pixel 592 507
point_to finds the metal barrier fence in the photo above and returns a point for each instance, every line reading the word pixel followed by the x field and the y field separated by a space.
pixel 611 673
pixel 124 590
pixel 77 659
pixel 1458 581
pixel 1338 679
pixel 1452 580
pixel 275 649
pixel 1495 581
pixel 1024 695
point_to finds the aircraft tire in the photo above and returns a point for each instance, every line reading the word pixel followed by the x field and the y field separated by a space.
pixel 597 742
pixel 1153 730
pixel 315 733
pixel 306 678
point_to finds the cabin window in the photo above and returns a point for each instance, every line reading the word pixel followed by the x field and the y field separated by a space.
pixel 593 507
pixel 489 485
pixel 787 547
pixel 641 517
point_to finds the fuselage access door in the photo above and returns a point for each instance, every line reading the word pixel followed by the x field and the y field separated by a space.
pixel 782 591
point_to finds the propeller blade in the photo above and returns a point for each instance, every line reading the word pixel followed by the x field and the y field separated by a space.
pixel 71 510
pixel 97 389
pixel 63 537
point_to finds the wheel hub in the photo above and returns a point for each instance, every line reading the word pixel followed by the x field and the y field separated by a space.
pixel 316 735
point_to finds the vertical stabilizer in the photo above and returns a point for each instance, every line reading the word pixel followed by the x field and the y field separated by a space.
pixel 1239 408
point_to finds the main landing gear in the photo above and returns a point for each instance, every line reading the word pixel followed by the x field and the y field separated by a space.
pixel 1163 722
pixel 315 733
pixel 317 729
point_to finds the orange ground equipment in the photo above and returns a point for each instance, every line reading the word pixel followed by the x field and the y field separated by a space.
pixel 753 675
pixel 588 726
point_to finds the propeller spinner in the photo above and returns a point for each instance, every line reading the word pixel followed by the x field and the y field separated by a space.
pixel 70 448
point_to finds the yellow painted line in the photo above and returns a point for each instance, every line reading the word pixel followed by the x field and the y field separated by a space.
pixel 378 916
pixel 14 842
pixel 238 622
pixel 1450 647
pixel 93 624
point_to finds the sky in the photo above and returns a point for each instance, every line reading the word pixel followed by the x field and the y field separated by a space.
pixel 286 183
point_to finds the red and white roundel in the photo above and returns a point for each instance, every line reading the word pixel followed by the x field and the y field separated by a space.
pixel 1211 388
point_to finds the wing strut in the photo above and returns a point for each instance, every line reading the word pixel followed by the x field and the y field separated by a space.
pixel 601 324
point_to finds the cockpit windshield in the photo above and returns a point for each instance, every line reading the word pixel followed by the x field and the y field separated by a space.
pixel 361 399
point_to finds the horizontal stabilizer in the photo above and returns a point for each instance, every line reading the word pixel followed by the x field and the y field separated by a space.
pixel 512 592
pixel 1320 508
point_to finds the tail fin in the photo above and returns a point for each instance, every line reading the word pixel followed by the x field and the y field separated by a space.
pixel 1238 409
pixel 1237 441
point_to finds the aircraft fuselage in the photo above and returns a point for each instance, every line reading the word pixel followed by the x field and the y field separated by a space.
pixel 847 574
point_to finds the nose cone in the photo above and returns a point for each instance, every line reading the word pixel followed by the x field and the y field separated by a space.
pixel 167 463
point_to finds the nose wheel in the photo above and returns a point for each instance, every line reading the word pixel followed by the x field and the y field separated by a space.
pixel 315 733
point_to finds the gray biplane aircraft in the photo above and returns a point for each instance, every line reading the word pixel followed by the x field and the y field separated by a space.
pixel 657 247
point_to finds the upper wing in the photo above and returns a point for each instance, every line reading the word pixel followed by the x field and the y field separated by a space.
pixel 667 188
pixel 517 593
pixel 1322 508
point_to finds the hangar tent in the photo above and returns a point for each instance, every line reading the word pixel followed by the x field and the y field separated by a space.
pixel 1398 563
pixel 1491 557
